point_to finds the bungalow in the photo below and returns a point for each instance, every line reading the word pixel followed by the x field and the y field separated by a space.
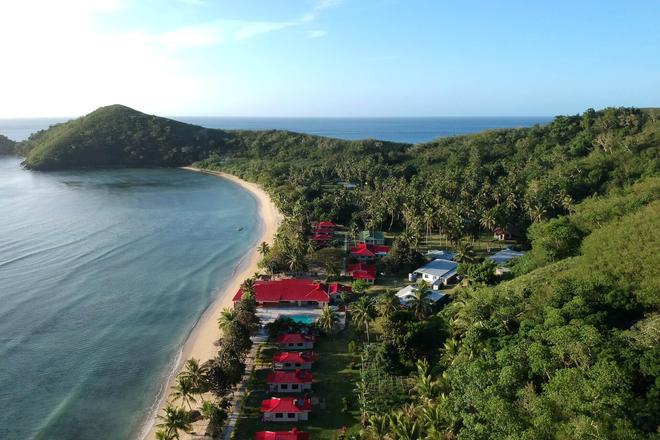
pixel 407 294
pixel 437 272
pixel 293 381
pixel 505 255
pixel 368 252
pixel 294 434
pixel 361 271
pixel 324 227
pixel 292 291
pixel 293 360
pixel 286 409
pixel 297 341
pixel 320 239
pixel 501 234
pixel 335 289
pixel 367 237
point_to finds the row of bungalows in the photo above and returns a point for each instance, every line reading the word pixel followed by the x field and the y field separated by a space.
pixel 322 233
pixel 291 374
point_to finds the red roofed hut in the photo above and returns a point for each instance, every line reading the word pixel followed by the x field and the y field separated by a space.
pixel 285 409
pixel 289 381
pixel 292 291
pixel 368 252
pixel 293 360
pixel 296 340
pixel 294 434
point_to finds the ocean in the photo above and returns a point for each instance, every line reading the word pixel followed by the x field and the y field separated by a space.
pixel 103 274
pixel 411 130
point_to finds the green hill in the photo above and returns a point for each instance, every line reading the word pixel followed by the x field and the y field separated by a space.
pixel 6 145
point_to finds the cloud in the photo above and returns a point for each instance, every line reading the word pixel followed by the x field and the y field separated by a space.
pixel 251 29
pixel 317 33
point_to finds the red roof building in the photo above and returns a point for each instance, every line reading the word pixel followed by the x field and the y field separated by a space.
pixel 293 360
pixel 294 434
pixel 365 252
pixel 292 381
pixel 288 291
pixel 361 271
pixel 337 288
pixel 285 409
pixel 326 224
pixel 295 340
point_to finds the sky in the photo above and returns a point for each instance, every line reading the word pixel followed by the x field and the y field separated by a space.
pixel 328 57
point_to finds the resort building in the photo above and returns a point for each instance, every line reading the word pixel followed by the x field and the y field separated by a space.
pixel 369 252
pixel 505 255
pixel 296 341
pixel 437 273
pixel 294 381
pixel 286 409
pixel 407 294
pixel 367 237
pixel 287 292
pixel 294 434
pixel 293 360
pixel 361 271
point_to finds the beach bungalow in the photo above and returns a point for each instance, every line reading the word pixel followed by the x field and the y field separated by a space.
pixel 288 292
pixel 293 381
pixel 296 341
pixel 407 294
pixel 437 273
pixel 505 255
pixel 286 409
pixel 361 271
pixel 367 237
pixel 293 360
pixel 369 252
pixel 294 434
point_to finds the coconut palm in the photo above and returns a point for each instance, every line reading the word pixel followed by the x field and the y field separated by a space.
pixel 162 434
pixel 464 253
pixel 420 304
pixel 361 314
pixel 196 373
pixel 263 249
pixel 487 220
pixel 378 426
pixel 424 386
pixel 184 390
pixel 327 319
pixel 387 304
pixel 226 317
pixel 173 420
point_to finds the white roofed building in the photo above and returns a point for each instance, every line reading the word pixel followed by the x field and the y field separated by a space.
pixel 437 273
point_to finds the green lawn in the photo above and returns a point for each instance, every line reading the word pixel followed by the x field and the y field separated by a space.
pixel 333 379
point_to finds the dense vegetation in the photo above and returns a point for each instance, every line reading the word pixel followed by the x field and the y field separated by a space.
pixel 6 145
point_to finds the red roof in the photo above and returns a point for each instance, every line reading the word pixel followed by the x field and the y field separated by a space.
pixel 294 338
pixel 286 405
pixel 363 275
pixel 370 250
pixel 294 434
pixel 296 357
pixel 325 224
pixel 291 289
pixel 361 267
pixel 291 376
pixel 320 237
pixel 336 288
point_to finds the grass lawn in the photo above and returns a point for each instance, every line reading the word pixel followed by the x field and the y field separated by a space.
pixel 333 379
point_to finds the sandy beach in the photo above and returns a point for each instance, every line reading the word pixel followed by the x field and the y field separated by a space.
pixel 200 343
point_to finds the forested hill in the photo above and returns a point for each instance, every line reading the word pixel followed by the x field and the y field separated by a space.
pixel 6 145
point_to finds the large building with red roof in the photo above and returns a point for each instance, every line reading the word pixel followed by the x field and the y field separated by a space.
pixel 362 271
pixel 291 291
pixel 292 381
pixel 293 360
pixel 294 434
pixel 368 252
pixel 285 409
pixel 297 341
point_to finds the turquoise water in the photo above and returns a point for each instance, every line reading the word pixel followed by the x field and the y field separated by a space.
pixel 102 276
pixel 303 319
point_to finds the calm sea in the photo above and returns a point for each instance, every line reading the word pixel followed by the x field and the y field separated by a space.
pixel 103 274
pixel 412 130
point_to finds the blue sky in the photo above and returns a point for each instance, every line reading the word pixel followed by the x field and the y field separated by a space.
pixel 329 57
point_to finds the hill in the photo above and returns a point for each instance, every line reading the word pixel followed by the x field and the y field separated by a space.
pixel 6 145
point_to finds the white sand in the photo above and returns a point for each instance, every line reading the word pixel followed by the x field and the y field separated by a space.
pixel 200 343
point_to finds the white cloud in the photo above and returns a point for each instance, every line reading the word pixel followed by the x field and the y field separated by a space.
pixel 317 33
pixel 251 29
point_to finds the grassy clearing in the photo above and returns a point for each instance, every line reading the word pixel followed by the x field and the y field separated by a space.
pixel 333 380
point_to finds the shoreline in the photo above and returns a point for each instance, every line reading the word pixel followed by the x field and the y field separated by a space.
pixel 200 343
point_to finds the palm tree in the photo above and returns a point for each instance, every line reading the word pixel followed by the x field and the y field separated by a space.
pixel 173 420
pixel 420 303
pixel 387 304
pixel 425 386
pixel 464 252
pixel 327 319
pixel 162 434
pixel 226 317
pixel 196 373
pixel 263 249
pixel 184 390
pixel 361 311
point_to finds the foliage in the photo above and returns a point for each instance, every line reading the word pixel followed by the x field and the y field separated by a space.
pixel 482 273
pixel 6 145
pixel 359 286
